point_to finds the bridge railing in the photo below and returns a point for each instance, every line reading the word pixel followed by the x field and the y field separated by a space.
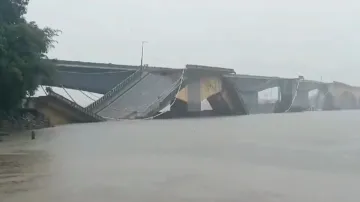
pixel 156 103
pixel 116 89
pixel 76 106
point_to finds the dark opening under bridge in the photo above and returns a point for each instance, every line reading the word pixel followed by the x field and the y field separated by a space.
pixel 140 92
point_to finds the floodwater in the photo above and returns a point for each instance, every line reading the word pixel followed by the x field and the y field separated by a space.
pixel 312 156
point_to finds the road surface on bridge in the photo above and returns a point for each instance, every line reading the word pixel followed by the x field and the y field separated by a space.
pixel 312 156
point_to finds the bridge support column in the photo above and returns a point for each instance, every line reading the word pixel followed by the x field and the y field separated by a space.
pixel 287 90
pixel 319 100
pixel 179 108
pixel 251 100
pixel 324 99
pixel 194 96
pixel 301 101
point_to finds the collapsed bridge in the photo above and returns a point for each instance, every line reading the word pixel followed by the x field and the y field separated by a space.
pixel 131 92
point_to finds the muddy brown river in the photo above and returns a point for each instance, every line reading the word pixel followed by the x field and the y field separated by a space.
pixel 313 156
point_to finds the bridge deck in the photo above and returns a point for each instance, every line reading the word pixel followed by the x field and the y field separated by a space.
pixel 209 68
pixel 139 97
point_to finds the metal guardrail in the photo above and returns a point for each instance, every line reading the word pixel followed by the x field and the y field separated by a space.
pixel 156 103
pixel 76 106
pixel 116 89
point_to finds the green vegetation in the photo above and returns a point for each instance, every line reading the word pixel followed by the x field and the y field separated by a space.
pixel 23 48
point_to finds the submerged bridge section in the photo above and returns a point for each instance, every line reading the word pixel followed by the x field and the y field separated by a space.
pixel 140 92
pixel 138 95
pixel 62 111
pixel 148 90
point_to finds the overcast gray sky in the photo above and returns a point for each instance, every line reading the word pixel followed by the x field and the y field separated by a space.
pixel 315 38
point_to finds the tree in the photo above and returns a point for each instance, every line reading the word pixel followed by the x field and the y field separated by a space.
pixel 23 49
